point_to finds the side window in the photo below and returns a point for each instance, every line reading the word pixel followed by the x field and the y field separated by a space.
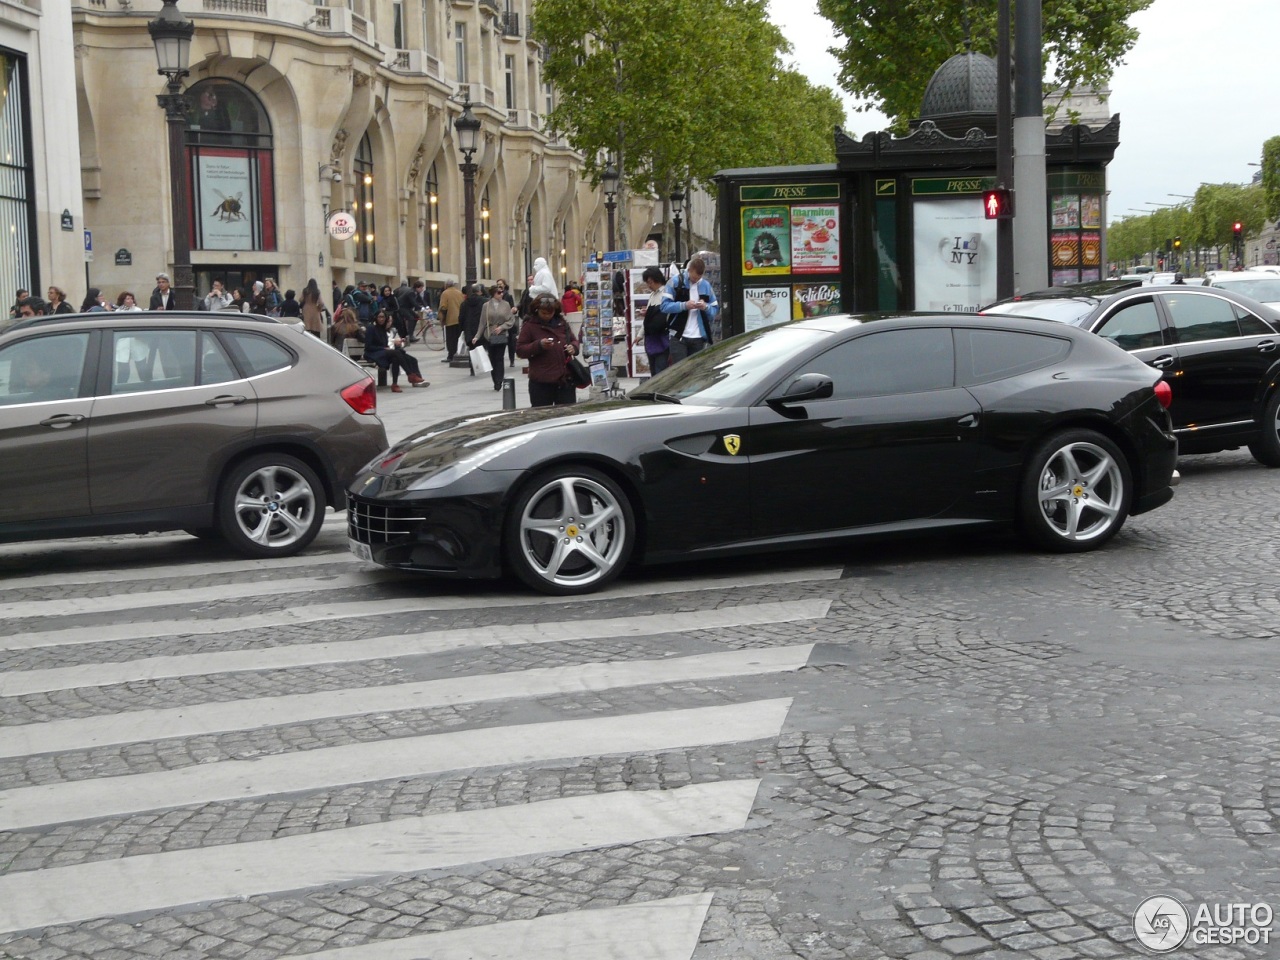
pixel 1201 318
pixel 1250 326
pixel 215 365
pixel 896 361
pixel 257 354
pixel 1134 327
pixel 152 360
pixel 42 369
pixel 986 355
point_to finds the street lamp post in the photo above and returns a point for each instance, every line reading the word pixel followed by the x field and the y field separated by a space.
pixel 609 180
pixel 677 207
pixel 171 33
pixel 468 128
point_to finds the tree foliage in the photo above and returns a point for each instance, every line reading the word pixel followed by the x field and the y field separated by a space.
pixel 1204 223
pixel 675 90
pixel 1271 177
pixel 891 48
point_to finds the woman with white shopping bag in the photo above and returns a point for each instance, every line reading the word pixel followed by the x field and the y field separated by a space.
pixel 496 321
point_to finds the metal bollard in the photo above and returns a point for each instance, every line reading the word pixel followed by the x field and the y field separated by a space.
pixel 508 394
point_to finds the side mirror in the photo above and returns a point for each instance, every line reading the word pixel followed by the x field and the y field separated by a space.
pixel 806 387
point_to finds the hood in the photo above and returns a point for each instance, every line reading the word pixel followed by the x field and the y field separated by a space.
pixel 486 439
pixel 539 264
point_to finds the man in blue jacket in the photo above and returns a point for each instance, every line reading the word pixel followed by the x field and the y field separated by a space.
pixel 691 306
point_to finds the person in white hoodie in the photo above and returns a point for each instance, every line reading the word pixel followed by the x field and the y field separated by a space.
pixel 543 281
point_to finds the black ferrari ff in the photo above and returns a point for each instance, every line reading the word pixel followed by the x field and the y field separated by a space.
pixel 795 435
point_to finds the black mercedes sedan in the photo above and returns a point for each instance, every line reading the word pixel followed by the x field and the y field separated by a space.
pixel 1217 349
pixel 794 435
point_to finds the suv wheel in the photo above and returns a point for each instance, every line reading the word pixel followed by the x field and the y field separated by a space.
pixel 271 505
pixel 1266 449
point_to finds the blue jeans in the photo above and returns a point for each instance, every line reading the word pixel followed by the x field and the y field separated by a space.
pixel 659 361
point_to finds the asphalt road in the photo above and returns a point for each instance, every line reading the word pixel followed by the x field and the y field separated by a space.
pixel 945 748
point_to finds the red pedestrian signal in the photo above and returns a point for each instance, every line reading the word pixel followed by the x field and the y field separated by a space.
pixel 1237 227
pixel 997 204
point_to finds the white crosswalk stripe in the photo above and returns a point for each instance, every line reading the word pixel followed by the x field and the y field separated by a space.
pixel 170 882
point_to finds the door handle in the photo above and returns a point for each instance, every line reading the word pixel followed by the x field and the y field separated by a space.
pixel 62 420
pixel 968 420
pixel 1162 362
pixel 1266 346
pixel 224 401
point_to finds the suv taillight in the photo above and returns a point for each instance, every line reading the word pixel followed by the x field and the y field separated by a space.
pixel 1164 393
pixel 362 396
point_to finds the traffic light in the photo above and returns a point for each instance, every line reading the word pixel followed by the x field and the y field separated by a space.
pixel 1177 243
pixel 1160 263
pixel 1168 244
pixel 1237 228
pixel 997 204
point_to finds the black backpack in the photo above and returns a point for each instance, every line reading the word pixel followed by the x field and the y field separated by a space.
pixel 680 294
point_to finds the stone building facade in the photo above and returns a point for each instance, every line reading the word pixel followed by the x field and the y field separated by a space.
pixel 41 222
pixel 299 108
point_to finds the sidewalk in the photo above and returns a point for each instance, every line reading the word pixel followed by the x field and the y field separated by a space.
pixel 453 393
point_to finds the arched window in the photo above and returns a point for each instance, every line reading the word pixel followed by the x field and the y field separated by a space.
pixel 366 252
pixel 229 156
pixel 486 244
pixel 431 247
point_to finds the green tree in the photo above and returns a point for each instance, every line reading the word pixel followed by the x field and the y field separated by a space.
pixel 675 90
pixel 1271 177
pixel 1218 206
pixel 890 50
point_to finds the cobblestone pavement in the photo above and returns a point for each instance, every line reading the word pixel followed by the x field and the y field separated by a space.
pixel 951 748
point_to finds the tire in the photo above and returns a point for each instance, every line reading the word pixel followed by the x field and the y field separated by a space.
pixel 433 335
pixel 270 505
pixel 569 531
pixel 1266 449
pixel 1076 492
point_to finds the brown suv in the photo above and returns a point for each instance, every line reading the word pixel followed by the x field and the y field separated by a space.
pixel 218 424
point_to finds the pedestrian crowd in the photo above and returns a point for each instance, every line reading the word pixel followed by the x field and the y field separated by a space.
pixel 487 324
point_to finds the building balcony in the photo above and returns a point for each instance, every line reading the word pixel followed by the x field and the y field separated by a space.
pixel 321 16
pixel 491 5
pixel 510 23
pixel 416 62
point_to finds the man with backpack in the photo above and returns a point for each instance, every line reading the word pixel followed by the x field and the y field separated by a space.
pixel 690 305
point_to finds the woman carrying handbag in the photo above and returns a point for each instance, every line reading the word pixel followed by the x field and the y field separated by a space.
pixel 496 321
pixel 548 343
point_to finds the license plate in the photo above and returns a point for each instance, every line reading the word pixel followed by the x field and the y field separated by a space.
pixel 361 550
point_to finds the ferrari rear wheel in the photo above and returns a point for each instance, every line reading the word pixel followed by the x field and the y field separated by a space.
pixel 571 530
pixel 1076 493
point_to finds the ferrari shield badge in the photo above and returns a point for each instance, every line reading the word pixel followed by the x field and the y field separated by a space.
pixel 732 443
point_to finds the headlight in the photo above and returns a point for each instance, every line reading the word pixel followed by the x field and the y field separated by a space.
pixel 460 468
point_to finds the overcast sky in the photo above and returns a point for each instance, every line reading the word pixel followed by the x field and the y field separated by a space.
pixel 1197 95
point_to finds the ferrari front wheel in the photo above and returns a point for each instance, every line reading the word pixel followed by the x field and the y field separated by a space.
pixel 570 530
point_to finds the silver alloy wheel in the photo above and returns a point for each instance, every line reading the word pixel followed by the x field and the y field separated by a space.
pixel 274 506
pixel 573 532
pixel 1081 492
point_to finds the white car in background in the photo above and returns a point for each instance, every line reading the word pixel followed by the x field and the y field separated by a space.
pixel 1260 285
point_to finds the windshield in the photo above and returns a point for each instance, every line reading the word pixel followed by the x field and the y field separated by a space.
pixel 1066 310
pixel 723 373
pixel 1265 289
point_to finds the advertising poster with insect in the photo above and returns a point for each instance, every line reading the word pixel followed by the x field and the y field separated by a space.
pixel 765 306
pixel 224 193
pixel 815 300
pixel 766 241
pixel 815 239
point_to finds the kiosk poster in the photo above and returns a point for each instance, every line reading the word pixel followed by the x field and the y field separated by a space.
pixel 1064 249
pixel 814 300
pixel 815 239
pixel 766 241
pixel 1091 211
pixel 1066 211
pixel 955 259
pixel 765 306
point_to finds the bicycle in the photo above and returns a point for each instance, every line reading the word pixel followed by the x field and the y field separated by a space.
pixel 430 332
